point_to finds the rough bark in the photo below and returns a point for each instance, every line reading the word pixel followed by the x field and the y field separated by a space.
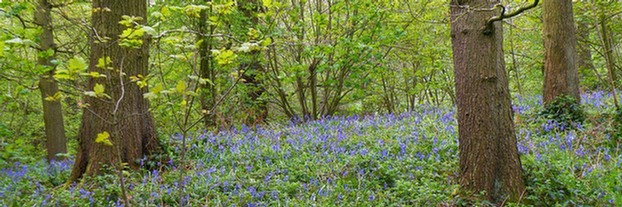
pixel 130 125
pixel 489 159
pixel 56 142
pixel 561 76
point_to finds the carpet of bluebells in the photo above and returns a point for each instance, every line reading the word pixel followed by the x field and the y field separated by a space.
pixel 408 159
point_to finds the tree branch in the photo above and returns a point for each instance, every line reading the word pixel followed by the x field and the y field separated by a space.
pixel 489 27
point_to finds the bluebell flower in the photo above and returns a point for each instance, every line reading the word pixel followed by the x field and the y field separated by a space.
pixel 580 151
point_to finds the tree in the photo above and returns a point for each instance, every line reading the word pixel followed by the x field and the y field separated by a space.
pixel 250 9
pixel 56 142
pixel 116 124
pixel 489 159
pixel 206 64
pixel 561 76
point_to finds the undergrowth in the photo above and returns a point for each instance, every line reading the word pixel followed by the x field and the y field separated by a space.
pixel 408 159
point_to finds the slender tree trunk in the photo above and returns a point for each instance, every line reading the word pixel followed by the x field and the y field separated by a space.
pixel 561 76
pixel 52 109
pixel 584 60
pixel 125 114
pixel 514 62
pixel 250 9
pixel 489 159
pixel 206 67
pixel 605 40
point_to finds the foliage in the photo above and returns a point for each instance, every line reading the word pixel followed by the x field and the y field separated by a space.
pixel 616 130
pixel 406 159
pixel 564 111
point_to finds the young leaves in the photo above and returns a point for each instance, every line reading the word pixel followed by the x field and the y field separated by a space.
pixel 98 91
pixel 73 66
pixel 103 138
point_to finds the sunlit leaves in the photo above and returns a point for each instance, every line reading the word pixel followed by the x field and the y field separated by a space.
pixel 104 63
pixel 226 8
pixel 154 92
pixel 224 57
pixel 103 138
pixel 140 80
pixel 98 91
pixel 194 10
pixel 129 21
pixel 181 86
pixel 132 36
pixel 73 66
pixel 1 49
pixel 94 74
pixel 56 97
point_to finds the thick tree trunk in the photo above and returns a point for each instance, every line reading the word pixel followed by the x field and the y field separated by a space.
pixel 489 159
pixel 125 114
pixel 56 142
pixel 561 76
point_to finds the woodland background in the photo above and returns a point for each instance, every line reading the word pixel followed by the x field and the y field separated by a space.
pixel 265 83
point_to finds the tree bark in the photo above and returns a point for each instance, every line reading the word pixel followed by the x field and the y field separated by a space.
pixel 561 76
pixel 125 114
pixel 489 159
pixel 56 142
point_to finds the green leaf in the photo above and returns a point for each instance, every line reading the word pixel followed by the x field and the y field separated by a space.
pixel 76 64
pixel 150 31
pixel 157 89
pixel 57 96
pixel 99 90
pixel 104 63
pixel 103 138
pixel 226 57
pixel 181 86
pixel 62 74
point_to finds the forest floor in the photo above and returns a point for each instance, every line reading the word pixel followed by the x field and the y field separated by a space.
pixel 408 159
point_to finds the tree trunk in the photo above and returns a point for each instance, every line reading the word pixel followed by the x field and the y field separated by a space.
pixel 125 114
pixel 206 67
pixel 250 9
pixel 489 159
pixel 584 60
pixel 56 142
pixel 561 76
pixel 605 40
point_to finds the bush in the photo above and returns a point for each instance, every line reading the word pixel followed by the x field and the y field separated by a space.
pixel 565 111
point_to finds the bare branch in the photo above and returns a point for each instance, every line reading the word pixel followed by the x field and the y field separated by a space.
pixel 489 26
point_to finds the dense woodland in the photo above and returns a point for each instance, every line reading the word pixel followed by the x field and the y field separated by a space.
pixel 310 103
